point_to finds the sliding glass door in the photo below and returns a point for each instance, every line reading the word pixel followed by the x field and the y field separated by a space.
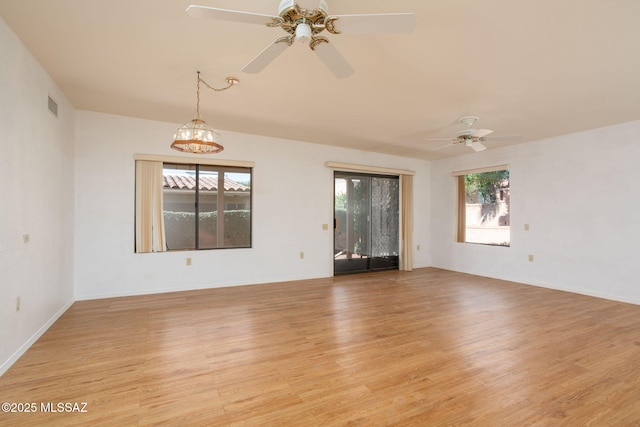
pixel 366 222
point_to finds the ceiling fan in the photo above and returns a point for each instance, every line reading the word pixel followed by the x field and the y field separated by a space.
pixel 470 137
pixel 304 21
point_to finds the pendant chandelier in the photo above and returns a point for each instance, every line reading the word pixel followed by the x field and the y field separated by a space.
pixel 197 136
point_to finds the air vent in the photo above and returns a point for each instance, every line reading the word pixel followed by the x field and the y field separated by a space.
pixel 53 107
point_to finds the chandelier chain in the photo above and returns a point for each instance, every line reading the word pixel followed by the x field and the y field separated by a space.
pixel 231 81
pixel 198 97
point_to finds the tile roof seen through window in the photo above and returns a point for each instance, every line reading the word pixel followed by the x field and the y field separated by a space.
pixel 207 183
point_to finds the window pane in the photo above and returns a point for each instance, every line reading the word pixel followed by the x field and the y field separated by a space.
pixel 385 217
pixel 237 208
pixel 487 208
pixel 208 208
pixel 179 198
pixel 220 198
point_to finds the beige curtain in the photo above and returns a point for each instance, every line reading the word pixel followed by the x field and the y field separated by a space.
pixel 149 217
pixel 406 259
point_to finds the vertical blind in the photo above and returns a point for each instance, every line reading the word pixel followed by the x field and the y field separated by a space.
pixel 406 255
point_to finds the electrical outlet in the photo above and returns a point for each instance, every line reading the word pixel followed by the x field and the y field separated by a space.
pixel 188 261
pixel 325 227
pixel 301 255
pixel 526 227
pixel 18 304
pixel 530 258
pixel 25 238
pixel 418 247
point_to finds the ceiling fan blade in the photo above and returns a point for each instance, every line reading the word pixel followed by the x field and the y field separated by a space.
pixel 481 133
pixel 506 137
pixel 265 57
pixel 230 15
pixel 443 147
pixel 477 146
pixel 375 23
pixel 330 56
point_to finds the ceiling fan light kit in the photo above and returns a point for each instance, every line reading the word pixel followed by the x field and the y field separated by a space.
pixel 303 33
pixel 304 24
pixel 469 137
pixel 196 136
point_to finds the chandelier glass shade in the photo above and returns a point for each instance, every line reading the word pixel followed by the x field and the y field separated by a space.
pixel 197 136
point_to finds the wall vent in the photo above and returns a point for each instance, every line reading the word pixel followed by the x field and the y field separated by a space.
pixel 53 107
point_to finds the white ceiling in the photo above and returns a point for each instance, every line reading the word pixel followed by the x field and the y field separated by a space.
pixel 532 69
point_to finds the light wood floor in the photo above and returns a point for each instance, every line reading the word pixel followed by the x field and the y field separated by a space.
pixel 430 347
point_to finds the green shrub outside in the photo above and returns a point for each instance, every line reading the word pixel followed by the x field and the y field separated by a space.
pixel 180 229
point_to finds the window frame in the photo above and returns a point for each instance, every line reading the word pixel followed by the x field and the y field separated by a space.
pixel 144 232
pixel 221 172
pixel 461 203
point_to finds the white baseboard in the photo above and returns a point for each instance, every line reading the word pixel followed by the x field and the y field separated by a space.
pixel 264 281
pixel 609 297
pixel 4 367
pixel 556 287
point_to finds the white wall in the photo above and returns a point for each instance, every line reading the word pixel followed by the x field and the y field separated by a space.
pixel 578 192
pixel 36 181
pixel 292 198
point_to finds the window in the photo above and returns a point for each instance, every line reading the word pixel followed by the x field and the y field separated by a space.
pixel 483 206
pixel 177 204
pixel 193 192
